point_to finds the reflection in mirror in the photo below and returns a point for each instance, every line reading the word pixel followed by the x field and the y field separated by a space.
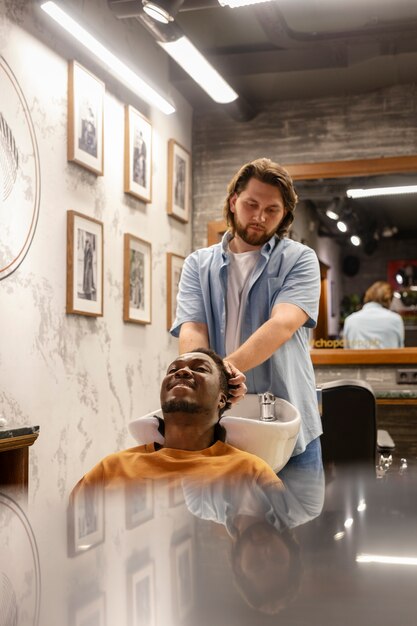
pixel 361 240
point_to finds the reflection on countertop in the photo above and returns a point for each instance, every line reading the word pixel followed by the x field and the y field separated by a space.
pixel 172 556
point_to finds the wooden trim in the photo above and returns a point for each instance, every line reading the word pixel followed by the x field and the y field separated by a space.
pixel 358 167
pixel 22 441
pixel 215 231
pixel 328 356
pixel 396 401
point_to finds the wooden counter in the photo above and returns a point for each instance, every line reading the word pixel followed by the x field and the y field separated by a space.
pixel 14 456
pixel 330 356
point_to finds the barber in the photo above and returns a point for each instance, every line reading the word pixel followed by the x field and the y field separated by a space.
pixel 253 297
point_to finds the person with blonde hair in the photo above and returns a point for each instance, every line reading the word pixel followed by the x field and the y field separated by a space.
pixel 374 326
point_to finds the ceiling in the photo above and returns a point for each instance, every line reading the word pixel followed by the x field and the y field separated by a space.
pixel 287 49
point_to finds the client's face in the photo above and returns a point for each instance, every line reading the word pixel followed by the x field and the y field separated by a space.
pixel 192 384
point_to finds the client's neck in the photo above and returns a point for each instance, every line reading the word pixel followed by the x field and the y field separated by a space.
pixel 182 432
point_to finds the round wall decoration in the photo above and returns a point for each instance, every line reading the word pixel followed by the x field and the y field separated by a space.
pixel 19 174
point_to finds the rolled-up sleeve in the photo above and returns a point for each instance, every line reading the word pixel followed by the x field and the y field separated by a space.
pixel 301 286
pixel 190 300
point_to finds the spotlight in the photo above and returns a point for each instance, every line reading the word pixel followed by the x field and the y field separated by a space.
pixel 163 10
pixel 332 214
pixel 355 240
pixel 342 226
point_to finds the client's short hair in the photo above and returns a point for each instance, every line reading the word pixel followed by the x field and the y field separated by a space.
pixel 380 292
pixel 224 375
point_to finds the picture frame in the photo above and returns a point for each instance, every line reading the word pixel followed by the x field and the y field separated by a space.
pixel 183 578
pixel 141 596
pixel 138 155
pixel 174 269
pixel 179 181
pixel 85 118
pixel 85 520
pixel 84 265
pixel 90 612
pixel 137 280
pixel 139 503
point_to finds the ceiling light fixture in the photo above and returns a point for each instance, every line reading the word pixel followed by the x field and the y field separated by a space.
pixel 235 4
pixel 355 240
pixel 193 62
pixel 110 61
pixel 381 191
pixel 332 214
pixel 386 560
pixel 162 10
pixel 341 226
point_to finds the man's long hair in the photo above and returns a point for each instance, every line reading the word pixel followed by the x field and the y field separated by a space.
pixel 266 171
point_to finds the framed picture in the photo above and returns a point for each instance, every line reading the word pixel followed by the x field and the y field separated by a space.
pixel 138 155
pixel 85 118
pixel 92 613
pixel 85 520
pixel 139 502
pixel 174 268
pixel 179 181
pixel 182 578
pixel 137 291
pixel 175 493
pixel 141 596
pixel 84 265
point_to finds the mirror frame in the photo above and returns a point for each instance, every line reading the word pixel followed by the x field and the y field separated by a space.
pixel 340 169
pixel 358 167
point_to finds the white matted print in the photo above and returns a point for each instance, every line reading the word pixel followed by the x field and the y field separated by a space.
pixel 141 596
pixel 92 613
pixel 137 280
pixel 174 269
pixel 182 578
pixel 85 519
pixel 84 265
pixel 179 181
pixel 85 118
pixel 139 502
pixel 138 155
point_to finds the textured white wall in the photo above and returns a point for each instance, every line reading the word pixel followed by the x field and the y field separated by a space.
pixel 83 379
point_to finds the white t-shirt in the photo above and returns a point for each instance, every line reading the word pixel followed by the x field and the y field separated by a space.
pixel 240 270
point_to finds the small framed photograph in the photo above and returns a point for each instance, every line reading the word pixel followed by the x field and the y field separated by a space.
pixel 86 519
pixel 92 613
pixel 139 502
pixel 138 155
pixel 182 578
pixel 179 181
pixel 84 265
pixel 137 280
pixel 174 268
pixel 141 596
pixel 85 118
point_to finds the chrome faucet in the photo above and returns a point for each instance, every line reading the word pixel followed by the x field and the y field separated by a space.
pixel 267 402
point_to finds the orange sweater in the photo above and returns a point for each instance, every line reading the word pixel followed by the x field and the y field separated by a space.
pixel 220 462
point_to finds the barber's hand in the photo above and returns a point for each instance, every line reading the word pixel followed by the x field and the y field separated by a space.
pixel 237 387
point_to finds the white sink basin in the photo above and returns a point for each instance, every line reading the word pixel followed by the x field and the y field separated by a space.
pixel 272 441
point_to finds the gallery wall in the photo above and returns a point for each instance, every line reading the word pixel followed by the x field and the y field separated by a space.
pixel 82 379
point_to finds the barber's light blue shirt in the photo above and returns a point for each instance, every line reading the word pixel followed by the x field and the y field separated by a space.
pixel 373 327
pixel 287 271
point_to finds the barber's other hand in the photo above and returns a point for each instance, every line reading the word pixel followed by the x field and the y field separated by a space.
pixel 237 387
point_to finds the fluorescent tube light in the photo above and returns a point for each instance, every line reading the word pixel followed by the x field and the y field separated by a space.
pixel 193 62
pixel 386 560
pixel 380 191
pixel 234 4
pixel 110 61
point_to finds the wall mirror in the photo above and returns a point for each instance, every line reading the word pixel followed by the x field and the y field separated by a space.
pixel 386 226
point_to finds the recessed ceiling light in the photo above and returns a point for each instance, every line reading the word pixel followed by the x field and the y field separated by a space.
pixel 157 13
pixel 332 214
pixel 355 240
pixel 342 226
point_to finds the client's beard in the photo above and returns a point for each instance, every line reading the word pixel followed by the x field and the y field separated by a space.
pixel 174 406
